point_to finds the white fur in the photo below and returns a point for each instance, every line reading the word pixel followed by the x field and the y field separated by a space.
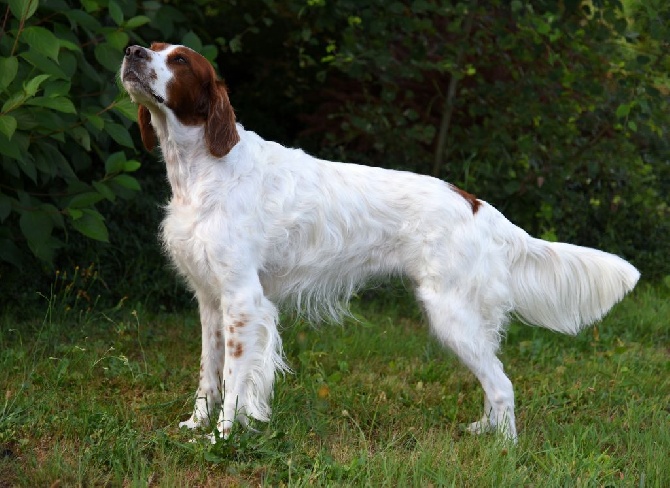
pixel 266 224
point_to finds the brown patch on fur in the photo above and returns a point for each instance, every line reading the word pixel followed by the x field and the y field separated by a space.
pixel 230 343
pixel 239 350
pixel 159 46
pixel 146 130
pixel 239 323
pixel 468 197
pixel 197 97
pixel 231 329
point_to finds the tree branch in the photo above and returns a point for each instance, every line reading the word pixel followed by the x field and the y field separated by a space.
pixel 448 107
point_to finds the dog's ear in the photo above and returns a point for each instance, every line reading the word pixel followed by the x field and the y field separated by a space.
pixel 220 130
pixel 146 130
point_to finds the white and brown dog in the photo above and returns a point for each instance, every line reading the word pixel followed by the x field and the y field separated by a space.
pixel 252 224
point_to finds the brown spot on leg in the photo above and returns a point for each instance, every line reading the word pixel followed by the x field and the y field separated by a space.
pixel 231 329
pixel 468 197
pixel 219 339
pixel 239 350
pixel 230 344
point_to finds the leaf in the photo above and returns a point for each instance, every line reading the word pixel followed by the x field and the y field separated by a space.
pixel 95 120
pixel 9 149
pixel 61 104
pixel 46 65
pixel 92 225
pixel 33 85
pixel 126 107
pixel 75 213
pixel 137 21
pixel 7 125
pixel 81 18
pixel 5 206
pixel 115 12
pixel 131 165
pixel 623 110
pixel 57 88
pixel 104 190
pixel 108 56
pixel 115 162
pixel 55 214
pixel 118 40
pixel 82 137
pixel 23 9
pixel 14 101
pixel 85 200
pixel 42 40
pixel 36 225
pixel 191 40
pixel 29 168
pixel 8 69
pixel 120 134
pixel 127 181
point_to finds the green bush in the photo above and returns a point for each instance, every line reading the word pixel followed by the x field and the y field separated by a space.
pixel 555 112
pixel 68 144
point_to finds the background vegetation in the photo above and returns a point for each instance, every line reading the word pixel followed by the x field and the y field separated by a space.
pixel 554 111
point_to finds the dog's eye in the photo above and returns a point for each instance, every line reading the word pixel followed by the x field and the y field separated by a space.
pixel 179 59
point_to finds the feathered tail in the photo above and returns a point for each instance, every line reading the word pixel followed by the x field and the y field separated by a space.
pixel 561 286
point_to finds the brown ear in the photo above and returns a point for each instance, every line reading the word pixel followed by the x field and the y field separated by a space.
pixel 220 130
pixel 146 130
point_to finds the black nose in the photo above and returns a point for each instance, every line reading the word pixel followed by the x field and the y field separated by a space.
pixel 136 52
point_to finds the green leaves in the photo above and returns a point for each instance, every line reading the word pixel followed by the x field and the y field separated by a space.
pixel 90 223
pixel 60 114
pixel 7 125
pixel 8 68
pixel 42 41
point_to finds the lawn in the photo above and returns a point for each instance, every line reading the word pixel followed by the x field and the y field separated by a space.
pixel 93 397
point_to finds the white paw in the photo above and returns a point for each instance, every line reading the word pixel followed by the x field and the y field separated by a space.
pixel 480 427
pixel 194 423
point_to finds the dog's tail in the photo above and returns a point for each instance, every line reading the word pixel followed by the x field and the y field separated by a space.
pixel 561 286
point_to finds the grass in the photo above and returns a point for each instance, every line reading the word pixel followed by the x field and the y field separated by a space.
pixel 91 398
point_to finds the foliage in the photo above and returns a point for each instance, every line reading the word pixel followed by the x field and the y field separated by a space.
pixel 556 112
pixel 376 402
pixel 63 126
pixel 65 143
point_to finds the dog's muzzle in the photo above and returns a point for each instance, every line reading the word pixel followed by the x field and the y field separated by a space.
pixel 134 69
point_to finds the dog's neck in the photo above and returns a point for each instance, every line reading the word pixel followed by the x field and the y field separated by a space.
pixel 182 149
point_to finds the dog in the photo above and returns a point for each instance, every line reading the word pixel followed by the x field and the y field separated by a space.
pixel 252 224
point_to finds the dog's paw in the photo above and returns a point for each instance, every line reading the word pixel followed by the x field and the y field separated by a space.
pixel 193 423
pixel 480 427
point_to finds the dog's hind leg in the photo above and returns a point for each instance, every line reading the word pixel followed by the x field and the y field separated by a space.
pixel 458 322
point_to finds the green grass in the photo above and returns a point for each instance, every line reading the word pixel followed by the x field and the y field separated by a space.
pixel 92 398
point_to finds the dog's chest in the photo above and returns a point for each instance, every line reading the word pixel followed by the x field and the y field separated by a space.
pixel 182 235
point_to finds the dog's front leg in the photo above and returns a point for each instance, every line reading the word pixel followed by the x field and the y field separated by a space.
pixel 208 395
pixel 253 353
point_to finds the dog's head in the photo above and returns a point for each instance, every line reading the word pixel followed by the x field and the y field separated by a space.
pixel 178 80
